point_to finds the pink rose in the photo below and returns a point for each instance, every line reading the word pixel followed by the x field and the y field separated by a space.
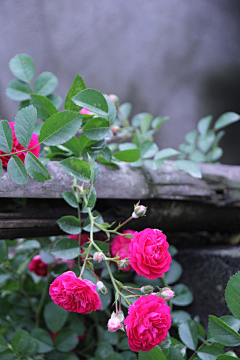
pixel 38 266
pixel 74 294
pixel 120 245
pixel 84 238
pixel 18 147
pixel 148 323
pixel 85 111
pixel 149 254
pixel 167 294
pixel 114 324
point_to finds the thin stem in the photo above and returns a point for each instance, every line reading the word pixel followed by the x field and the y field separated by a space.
pixel 21 151
pixel 41 303
pixel 124 223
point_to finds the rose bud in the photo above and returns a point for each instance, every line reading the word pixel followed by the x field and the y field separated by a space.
pixel 123 264
pixel 147 289
pixel 114 99
pixel 114 324
pixel 98 257
pixel 101 288
pixel 139 210
pixel 114 128
pixel 85 111
pixel 167 294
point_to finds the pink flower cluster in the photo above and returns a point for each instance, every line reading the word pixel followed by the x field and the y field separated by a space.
pixel 18 147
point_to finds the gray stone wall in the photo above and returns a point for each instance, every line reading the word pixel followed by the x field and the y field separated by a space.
pixel 168 57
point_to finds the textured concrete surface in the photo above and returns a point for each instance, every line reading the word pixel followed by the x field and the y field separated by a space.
pixel 177 58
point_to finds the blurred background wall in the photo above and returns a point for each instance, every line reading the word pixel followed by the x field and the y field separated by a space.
pixel 168 57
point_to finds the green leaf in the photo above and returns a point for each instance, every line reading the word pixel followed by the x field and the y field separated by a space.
pixel 45 83
pixel 183 295
pixel 66 249
pixel 45 104
pixel 23 344
pixel 92 100
pixel 45 255
pixel 209 352
pixel 70 198
pixel 66 340
pixel 106 300
pixel 197 156
pixel 225 120
pixel 180 316
pixel 232 295
pixel 112 111
pixel 77 85
pixel 216 153
pixel 43 339
pixel 103 350
pixel 127 146
pixel 129 355
pixel 158 121
pixel 175 272
pixel 97 129
pixel 76 168
pixel 222 332
pixel 107 154
pixel 191 137
pixel 115 356
pixel 187 148
pixel 3 249
pixel 85 142
pixel 68 356
pixel 6 137
pixel 164 154
pixel 227 357
pixel 92 198
pixel 206 142
pixel 24 125
pixel 154 354
pixel 94 169
pixel 3 344
pixel 16 171
pixel 55 99
pixel 99 220
pixel 173 250
pixel 148 149
pixel 231 321
pixel 204 124
pixel 22 66
pixel 17 90
pixel 127 155
pixel 146 123
pixel 29 245
pixel 60 127
pixel 188 333
pixel 55 317
pixel 35 168
pixel 189 167
pixel 70 224
pixel 175 353
pixel 125 110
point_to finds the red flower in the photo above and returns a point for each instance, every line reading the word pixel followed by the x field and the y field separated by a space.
pixel 149 254
pixel 18 147
pixel 74 294
pixel 120 245
pixel 148 323
pixel 38 266
pixel 84 238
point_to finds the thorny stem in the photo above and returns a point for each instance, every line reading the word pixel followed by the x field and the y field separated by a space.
pixel 124 223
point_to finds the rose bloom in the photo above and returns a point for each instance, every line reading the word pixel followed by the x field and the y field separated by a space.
pixel 38 266
pixel 149 255
pixel 18 147
pixel 148 323
pixel 74 294
pixel 84 238
pixel 120 245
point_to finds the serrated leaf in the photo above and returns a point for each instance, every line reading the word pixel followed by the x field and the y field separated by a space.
pixel 99 220
pixel 55 99
pixel 22 66
pixel 226 119
pixel 175 272
pixel 158 121
pixel 189 167
pixel 209 352
pixel 24 125
pixel 35 169
pixel 77 86
pixel 45 83
pixel 204 124
pixel 127 155
pixel 222 332
pixel 70 198
pixel 43 339
pixel 66 249
pixel 17 90
pixel 227 357
pixel 106 153
pixel 76 168
pixel 146 123
pixel 125 110
pixel 112 111
pixel 154 354
pixel 92 198
pixel 66 340
pixel 29 245
pixel 183 295
pixel 6 137
pixel 16 171
pixel 180 316
pixel 92 100
pixel 164 154
pixel 45 104
pixel 60 127
pixel 188 333
pixel 97 129
pixel 3 344
pixel 232 295
pixel 70 224
pixel 55 317
pixel 148 149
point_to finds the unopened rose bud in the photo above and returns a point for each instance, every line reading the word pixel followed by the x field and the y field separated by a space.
pixel 101 288
pixel 123 264
pixel 98 257
pixel 139 210
pixel 114 324
pixel 85 111
pixel 147 289
pixel 114 128
pixel 114 99
pixel 167 294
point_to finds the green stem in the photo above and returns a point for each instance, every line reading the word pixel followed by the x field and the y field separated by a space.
pixel 21 151
pixel 41 303
pixel 124 223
